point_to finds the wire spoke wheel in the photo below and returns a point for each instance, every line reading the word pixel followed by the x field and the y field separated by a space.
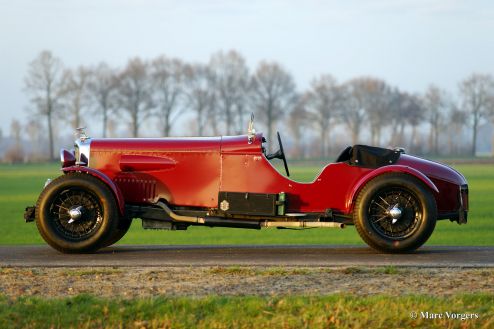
pixel 395 213
pixel 76 213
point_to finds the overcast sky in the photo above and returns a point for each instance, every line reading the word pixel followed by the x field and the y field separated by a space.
pixel 409 43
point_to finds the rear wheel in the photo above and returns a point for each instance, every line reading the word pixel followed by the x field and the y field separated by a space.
pixel 77 213
pixel 395 213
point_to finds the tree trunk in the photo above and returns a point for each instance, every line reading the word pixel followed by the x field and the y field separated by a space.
pixel 376 134
pixel 240 116
pixel 166 123
pixel 135 127
pixel 105 121
pixel 357 127
pixel 77 114
pixel 402 134
pixel 213 122
pixel 436 141
pixel 200 125
pixel 373 135
pixel 413 139
pixel 355 132
pixel 431 138
pixel 474 135
pixel 270 132
pixel 228 113
pixel 50 135
pixel 323 142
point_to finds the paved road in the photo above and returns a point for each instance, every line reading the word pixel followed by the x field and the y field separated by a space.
pixel 197 255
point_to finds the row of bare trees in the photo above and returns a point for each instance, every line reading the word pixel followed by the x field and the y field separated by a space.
pixel 372 106
pixel 219 94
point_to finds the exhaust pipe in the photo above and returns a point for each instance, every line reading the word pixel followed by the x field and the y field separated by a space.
pixel 303 224
pixel 179 218
pixel 215 221
pixel 208 221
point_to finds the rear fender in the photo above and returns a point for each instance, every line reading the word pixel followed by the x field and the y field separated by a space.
pixel 105 179
pixel 385 170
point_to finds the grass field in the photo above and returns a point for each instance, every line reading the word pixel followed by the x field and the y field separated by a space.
pixel 20 186
pixel 336 311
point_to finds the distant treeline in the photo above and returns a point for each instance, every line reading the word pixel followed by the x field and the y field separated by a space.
pixel 152 94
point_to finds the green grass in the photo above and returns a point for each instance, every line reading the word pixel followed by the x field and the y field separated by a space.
pixel 20 186
pixel 335 311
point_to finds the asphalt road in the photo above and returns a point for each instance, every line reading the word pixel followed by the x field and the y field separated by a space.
pixel 265 255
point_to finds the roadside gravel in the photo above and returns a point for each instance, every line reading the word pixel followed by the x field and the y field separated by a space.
pixel 131 282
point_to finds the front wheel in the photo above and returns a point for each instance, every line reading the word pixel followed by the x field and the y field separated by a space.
pixel 395 213
pixel 122 229
pixel 77 213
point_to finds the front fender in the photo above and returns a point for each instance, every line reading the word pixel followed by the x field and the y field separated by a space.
pixel 384 170
pixel 98 174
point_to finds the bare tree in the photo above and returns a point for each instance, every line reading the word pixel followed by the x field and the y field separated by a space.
pixel 405 110
pixel 15 153
pixel 457 120
pixel 15 133
pixel 200 96
pixel 135 93
pixel 323 102
pixel 366 99
pixel 298 120
pixel 435 104
pixel 477 92
pixel 102 89
pixel 167 76
pixel 43 83
pixel 413 114
pixel 377 97
pixel 75 94
pixel 231 85
pixel 273 93
pixel 34 131
pixel 353 107
pixel 112 127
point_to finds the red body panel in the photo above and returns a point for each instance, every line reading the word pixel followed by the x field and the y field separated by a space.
pixel 191 171
pixel 185 172
pixel 446 179
pixel 254 173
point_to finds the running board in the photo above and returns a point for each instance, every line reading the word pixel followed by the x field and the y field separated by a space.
pixel 238 223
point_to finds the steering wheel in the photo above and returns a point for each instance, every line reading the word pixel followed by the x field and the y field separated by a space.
pixel 280 154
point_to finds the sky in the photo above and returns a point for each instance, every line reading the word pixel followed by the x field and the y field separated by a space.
pixel 408 43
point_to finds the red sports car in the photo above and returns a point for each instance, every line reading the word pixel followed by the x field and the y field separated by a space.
pixel 392 198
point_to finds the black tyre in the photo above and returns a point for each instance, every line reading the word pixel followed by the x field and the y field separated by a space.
pixel 77 213
pixel 395 213
pixel 122 229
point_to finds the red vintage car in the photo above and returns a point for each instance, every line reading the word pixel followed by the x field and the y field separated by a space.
pixel 392 198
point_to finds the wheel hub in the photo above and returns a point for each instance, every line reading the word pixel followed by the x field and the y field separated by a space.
pixel 395 213
pixel 75 214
